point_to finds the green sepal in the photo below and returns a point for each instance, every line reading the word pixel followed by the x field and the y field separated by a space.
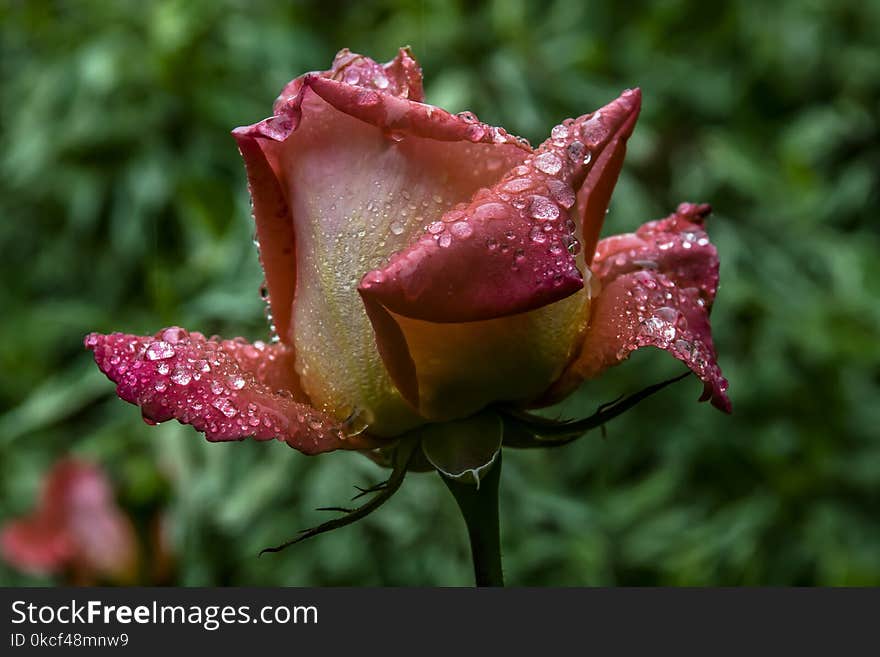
pixel 464 450
pixel 527 430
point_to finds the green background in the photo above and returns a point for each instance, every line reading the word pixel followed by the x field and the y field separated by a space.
pixel 124 207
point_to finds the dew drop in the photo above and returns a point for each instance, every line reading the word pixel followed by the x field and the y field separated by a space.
pixel 667 314
pixel 518 185
pixel 543 209
pixel 173 334
pixel 576 151
pixel 181 376
pixel 562 193
pixel 225 406
pixel 594 130
pixel 537 235
pixel 559 132
pixel 159 350
pixel 476 132
pixel 549 163
pixel 461 229
pixel 491 210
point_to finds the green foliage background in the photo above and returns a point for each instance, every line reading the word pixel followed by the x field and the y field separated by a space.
pixel 123 207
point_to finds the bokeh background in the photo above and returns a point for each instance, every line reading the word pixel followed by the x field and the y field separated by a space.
pixel 124 207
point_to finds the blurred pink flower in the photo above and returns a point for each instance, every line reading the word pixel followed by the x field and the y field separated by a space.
pixel 77 530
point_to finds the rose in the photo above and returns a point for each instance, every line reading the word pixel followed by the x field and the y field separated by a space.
pixel 421 266
pixel 77 528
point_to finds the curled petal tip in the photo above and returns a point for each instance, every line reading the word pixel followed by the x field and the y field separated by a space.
pixel 695 212
pixel 657 288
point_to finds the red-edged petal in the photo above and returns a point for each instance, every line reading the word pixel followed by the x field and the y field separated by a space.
pixel 275 238
pixel 401 77
pixel 229 389
pixel 512 248
pixel 362 173
pixel 657 288
pixel 77 525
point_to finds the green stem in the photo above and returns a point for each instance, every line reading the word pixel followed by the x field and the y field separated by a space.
pixel 479 506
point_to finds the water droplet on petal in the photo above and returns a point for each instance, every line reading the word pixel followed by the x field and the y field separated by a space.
pixel 461 229
pixel 225 406
pixel 181 376
pixel 476 132
pixel 667 314
pixel 576 152
pixel 518 185
pixel 491 210
pixel 173 334
pixel 159 350
pixel 593 130
pixel 543 209
pixel 537 235
pixel 559 132
pixel 562 193
pixel 549 163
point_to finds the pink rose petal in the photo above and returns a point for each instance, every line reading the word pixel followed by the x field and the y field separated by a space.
pixel 229 389
pixel 657 288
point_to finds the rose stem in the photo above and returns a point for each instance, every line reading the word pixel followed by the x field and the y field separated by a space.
pixel 479 506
